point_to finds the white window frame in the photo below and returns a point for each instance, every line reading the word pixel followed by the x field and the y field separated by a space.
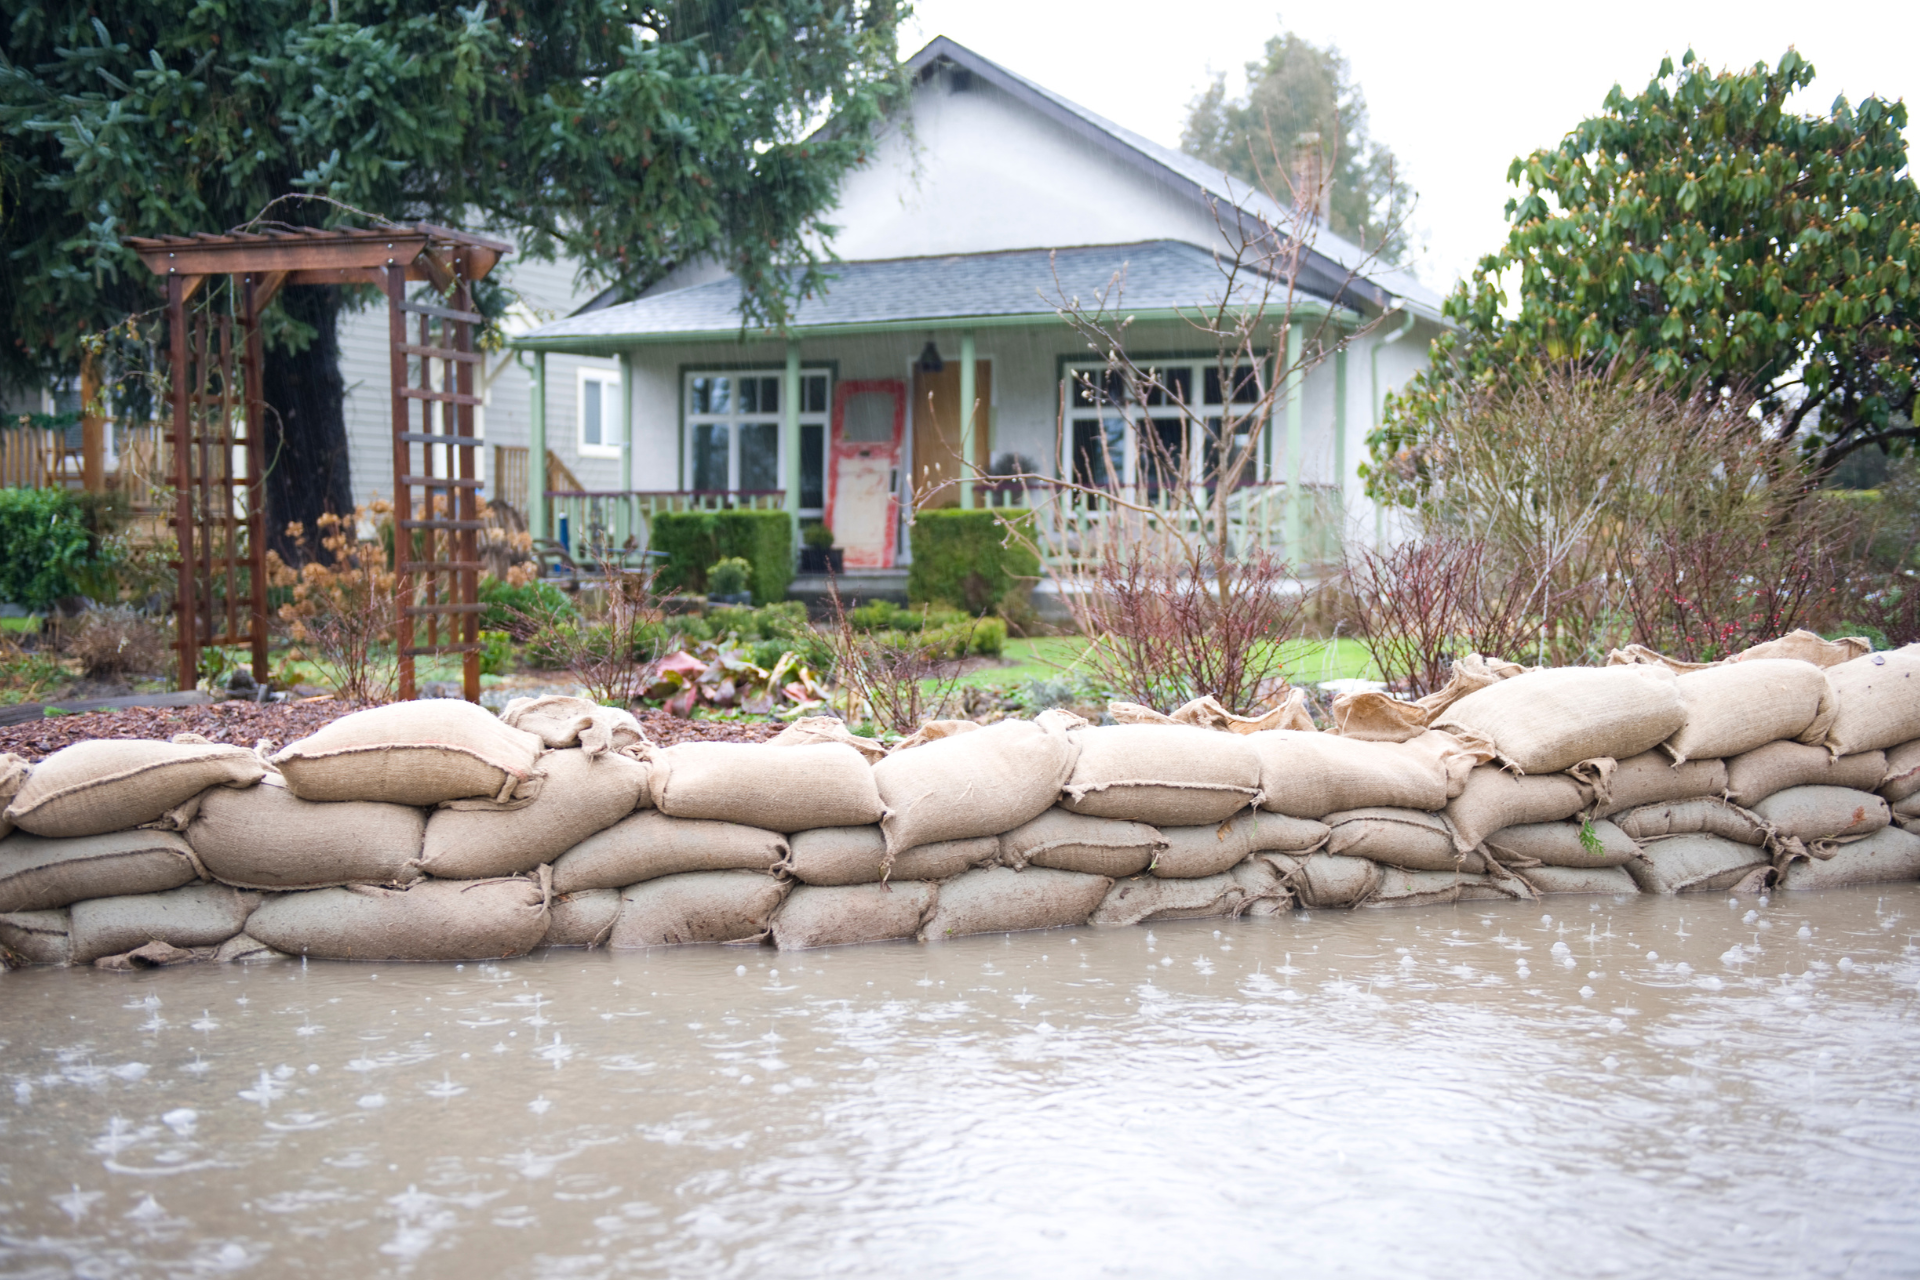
pixel 612 424
pixel 733 419
pixel 1135 415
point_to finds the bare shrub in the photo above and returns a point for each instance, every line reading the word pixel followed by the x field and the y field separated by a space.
pixel 118 642
pixel 342 613
pixel 897 679
pixel 612 655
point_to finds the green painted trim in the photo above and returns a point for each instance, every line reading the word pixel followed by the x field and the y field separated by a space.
pixel 1296 412
pixel 790 436
pixel 1340 436
pixel 537 451
pixel 623 528
pixel 969 392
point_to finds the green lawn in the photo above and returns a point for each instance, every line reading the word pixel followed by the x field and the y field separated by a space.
pixel 1058 657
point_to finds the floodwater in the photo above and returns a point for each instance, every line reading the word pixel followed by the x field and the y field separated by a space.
pixel 1699 1086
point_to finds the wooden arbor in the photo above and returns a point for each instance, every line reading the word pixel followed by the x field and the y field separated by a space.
pixel 218 437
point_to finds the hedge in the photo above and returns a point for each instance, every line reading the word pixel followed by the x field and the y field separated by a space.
pixel 693 540
pixel 971 559
pixel 45 536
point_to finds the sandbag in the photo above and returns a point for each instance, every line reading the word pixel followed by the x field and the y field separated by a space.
pixel 1805 646
pixel 649 845
pixel 1886 856
pixel 1738 707
pixel 561 722
pixel 858 855
pixel 583 919
pixel 36 937
pixel 1323 880
pixel 1547 879
pixel 1068 841
pixel 1559 844
pixel 243 948
pixel 787 789
pixel 1879 701
pixel 811 730
pixel 1265 887
pixel 13 776
pixel 1547 721
pixel 1755 775
pixel 1309 775
pixel 1468 675
pixel 418 753
pixel 1372 716
pixel 1495 799
pixel 1144 898
pixel 1002 900
pixel 268 838
pixel 91 788
pixel 1207 712
pixel 1277 833
pixel 578 794
pixel 816 916
pixel 973 784
pixel 1399 838
pixel 1652 777
pixel 1210 850
pixel 200 915
pixel 698 906
pixel 1691 864
pixel 1703 815
pixel 427 920
pixel 1165 775
pixel 1903 773
pixel 1402 888
pixel 1823 813
pixel 37 873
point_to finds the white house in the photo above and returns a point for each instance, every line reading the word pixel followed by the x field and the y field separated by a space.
pixel 971 221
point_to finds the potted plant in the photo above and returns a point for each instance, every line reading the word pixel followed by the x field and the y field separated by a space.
pixel 818 554
pixel 727 582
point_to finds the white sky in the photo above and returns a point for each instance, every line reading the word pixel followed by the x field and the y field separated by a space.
pixel 1456 90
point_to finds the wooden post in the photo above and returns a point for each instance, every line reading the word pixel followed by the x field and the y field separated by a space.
pixel 465 580
pixel 402 515
pixel 187 604
pixel 93 427
pixel 254 376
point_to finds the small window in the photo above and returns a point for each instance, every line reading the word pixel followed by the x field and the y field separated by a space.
pixel 598 410
pixel 733 424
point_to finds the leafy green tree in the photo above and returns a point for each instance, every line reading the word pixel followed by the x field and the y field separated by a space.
pixel 1299 88
pixel 633 137
pixel 1707 233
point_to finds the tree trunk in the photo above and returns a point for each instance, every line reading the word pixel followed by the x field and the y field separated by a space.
pixel 306 428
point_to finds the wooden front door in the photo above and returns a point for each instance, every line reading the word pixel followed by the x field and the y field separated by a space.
pixel 863 472
pixel 936 431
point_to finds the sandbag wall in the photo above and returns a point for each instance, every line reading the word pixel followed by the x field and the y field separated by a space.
pixel 436 831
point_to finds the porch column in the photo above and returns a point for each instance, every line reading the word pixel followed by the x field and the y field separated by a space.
pixel 1340 439
pixel 790 438
pixel 623 510
pixel 1295 376
pixel 537 451
pixel 967 393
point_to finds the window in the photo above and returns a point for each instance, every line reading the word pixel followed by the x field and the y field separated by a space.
pixel 733 434
pixel 1115 439
pixel 600 413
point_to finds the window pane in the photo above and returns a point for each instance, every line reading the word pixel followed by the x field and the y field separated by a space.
pixel 1096 444
pixel 759 455
pixel 813 457
pixel 769 395
pixel 816 397
pixel 710 456
pixel 1237 452
pixel 702 399
pixel 1163 455
pixel 590 412
pixel 1178 384
pixel 867 418
pixel 721 397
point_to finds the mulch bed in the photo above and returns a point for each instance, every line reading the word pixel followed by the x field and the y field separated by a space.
pixel 245 723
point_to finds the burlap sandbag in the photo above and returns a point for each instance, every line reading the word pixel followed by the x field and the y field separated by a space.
pixel 1068 841
pixel 427 920
pixel 821 916
pixel 200 915
pixel 1495 799
pixel 1903 773
pixel 1209 850
pixel 1323 880
pixel 1141 899
pixel 1879 700
pixel 1736 708
pixel 1823 813
pixel 1559 844
pixel 699 906
pixel 1887 856
pixel 1405 838
pixel 13 776
pixel 1165 775
pixel 578 795
pixel 788 789
pixel 91 788
pixel 1652 777
pixel 1908 808
pixel 561 722
pixel 1805 646
pixel 1402 888
pixel 1278 833
pixel 1378 717
pixel 417 753
pixel 1640 653
pixel 1702 815
pixel 36 873
pixel 649 845
pixel 1547 721
pixel 1208 713
pixel 858 855
pixel 1691 864
pixel 1551 879
pixel 811 730
pixel 583 919
pixel 1469 675
pixel 1755 775
pixel 36 937
pixel 973 784
pixel 1002 900
pixel 1309 775
pixel 268 838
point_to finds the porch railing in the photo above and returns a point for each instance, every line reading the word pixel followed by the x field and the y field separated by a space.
pixel 1076 527
pixel 594 524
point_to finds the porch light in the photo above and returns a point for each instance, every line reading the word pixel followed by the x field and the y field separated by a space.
pixel 930 361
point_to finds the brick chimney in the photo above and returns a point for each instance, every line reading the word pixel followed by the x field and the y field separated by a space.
pixel 1312 185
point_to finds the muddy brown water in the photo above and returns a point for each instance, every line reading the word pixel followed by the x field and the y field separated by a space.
pixel 1695 1086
